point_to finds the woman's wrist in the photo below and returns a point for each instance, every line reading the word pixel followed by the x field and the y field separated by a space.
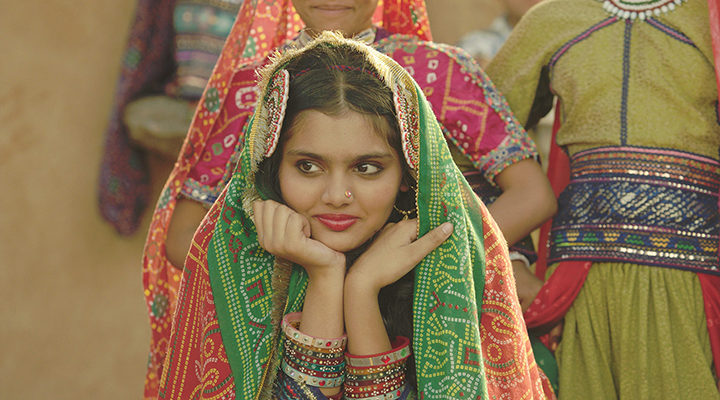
pixel 358 283
pixel 332 273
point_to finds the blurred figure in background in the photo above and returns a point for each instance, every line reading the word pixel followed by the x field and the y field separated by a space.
pixel 172 48
pixel 634 247
pixel 487 143
pixel 483 44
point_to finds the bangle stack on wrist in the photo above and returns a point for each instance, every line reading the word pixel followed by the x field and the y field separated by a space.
pixel 379 376
pixel 310 360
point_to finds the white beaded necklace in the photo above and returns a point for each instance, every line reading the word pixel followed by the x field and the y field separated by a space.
pixel 640 9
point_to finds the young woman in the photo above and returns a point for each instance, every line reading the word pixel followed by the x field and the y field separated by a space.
pixel 346 227
pixel 634 247
pixel 487 143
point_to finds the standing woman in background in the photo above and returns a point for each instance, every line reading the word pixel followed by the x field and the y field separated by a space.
pixel 634 246
pixel 346 226
pixel 487 143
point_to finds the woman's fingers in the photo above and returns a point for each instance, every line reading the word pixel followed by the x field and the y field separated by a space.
pixel 270 222
pixel 395 252
pixel 280 217
pixel 429 242
pixel 297 226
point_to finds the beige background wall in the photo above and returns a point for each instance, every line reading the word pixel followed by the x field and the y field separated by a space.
pixel 73 322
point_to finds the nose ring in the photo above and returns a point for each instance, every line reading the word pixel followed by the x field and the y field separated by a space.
pixel 348 194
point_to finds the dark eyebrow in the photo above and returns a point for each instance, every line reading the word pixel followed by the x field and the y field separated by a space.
pixel 369 156
pixel 302 153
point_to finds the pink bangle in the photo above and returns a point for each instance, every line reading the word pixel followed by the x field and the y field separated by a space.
pixel 299 337
pixel 400 352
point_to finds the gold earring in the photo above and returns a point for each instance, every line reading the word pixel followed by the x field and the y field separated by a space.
pixel 404 213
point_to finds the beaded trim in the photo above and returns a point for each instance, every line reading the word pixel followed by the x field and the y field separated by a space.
pixel 409 122
pixel 645 206
pixel 640 9
pixel 275 106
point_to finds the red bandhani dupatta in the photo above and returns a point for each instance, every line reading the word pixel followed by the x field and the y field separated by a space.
pixel 261 26
pixel 558 293
pixel 561 289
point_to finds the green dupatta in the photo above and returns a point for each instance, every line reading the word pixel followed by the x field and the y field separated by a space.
pixel 252 290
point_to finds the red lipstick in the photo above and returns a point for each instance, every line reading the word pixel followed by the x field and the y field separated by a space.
pixel 337 222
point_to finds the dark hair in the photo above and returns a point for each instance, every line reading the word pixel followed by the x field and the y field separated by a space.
pixel 334 79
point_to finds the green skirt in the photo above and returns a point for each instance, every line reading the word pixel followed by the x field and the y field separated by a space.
pixel 636 332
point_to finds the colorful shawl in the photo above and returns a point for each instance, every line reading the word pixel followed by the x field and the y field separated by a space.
pixel 260 27
pixel 469 337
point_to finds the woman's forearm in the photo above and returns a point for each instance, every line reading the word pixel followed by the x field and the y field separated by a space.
pixel 526 202
pixel 322 315
pixel 363 321
pixel 184 222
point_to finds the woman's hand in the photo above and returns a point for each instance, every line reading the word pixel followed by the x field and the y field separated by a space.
pixel 286 234
pixel 393 253
pixel 527 284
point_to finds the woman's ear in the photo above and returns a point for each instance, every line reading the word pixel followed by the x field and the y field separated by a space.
pixel 404 188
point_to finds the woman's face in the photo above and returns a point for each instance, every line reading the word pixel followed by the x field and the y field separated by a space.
pixel 340 174
pixel 346 16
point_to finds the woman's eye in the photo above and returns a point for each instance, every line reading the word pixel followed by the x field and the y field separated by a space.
pixel 307 167
pixel 368 169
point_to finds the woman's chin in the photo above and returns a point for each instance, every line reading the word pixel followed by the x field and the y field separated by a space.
pixel 341 246
pixel 342 243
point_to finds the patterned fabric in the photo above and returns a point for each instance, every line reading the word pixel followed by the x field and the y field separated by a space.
pixel 647 206
pixel 648 90
pixel 147 65
pixel 201 27
pixel 598 115
pixel 474 116
pixel 669 321
pixel 264 25
pixel 228 101
pixel 231 283
pixel 488 193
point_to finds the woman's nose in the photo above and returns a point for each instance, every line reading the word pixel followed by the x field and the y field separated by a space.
pixel 338 192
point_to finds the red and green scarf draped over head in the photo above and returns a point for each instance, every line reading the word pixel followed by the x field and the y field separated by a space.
pixel 261 26
pixel 469 337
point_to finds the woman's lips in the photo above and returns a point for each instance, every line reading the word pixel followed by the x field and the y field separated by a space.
pixel 337 222
pixel 332 10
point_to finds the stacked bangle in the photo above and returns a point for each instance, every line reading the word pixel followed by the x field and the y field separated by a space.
pixel 379 376
pixel 400 352
pixel 310 360
pixel 289 325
